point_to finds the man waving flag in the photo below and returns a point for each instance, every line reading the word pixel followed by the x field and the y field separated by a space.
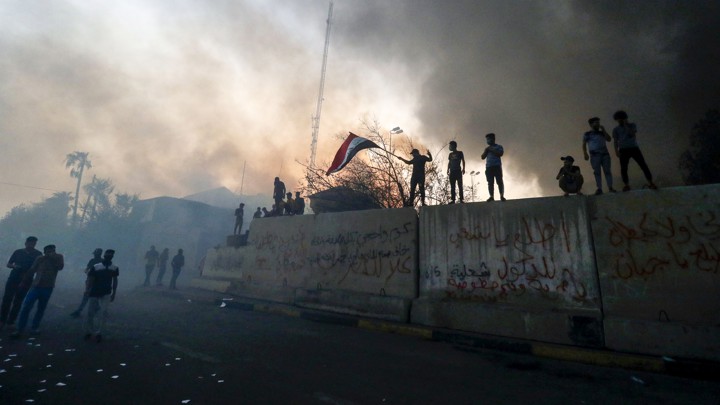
pixel 352 145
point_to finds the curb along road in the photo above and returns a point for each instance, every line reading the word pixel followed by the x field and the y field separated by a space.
pixel 599 357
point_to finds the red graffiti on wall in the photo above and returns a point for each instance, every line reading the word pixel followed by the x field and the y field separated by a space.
pixel 665 243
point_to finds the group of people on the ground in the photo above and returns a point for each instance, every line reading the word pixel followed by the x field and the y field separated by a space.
pixel 153 259
pixel 569 177
pixel 32 280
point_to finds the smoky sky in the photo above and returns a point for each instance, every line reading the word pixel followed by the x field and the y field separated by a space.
pixel 171 98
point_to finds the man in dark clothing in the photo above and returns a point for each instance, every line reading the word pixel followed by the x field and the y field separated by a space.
pixel 239 214
pixel 42 275
pixel 20 262
pixel 178 261
pixel 418 174
pixel 278 194
pixel 97 258
pixel 570 179
pixel 151 258
pixel 101 287
pixel 493 167
pixel 258 213
pixel 626 148
pixel 266 213
pixel 299 204
pixel 456 169
pixel 289 205
pixel 162 266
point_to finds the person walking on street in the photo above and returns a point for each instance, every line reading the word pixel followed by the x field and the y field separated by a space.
pixel 178 261
pixel 101 288
pixel 42 275
pixel 595 149
pixel 626 148
pixel 20 262
pixel 162 266
pixel 151 258
pixel 455 171
pixel 493 167
pixel 97 258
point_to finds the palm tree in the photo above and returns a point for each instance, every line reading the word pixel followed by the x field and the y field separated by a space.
pixel 77 162
pixel 99 191
pixel 124 204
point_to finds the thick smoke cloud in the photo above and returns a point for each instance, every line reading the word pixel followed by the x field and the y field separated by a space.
pixel 170 98
pixel 533 72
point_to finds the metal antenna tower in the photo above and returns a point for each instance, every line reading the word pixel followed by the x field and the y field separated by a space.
pixel 316 117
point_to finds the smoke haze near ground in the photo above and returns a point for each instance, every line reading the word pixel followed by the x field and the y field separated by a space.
pixel 170 98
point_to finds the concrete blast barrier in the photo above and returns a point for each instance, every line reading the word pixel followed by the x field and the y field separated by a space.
pixel 658 257
pixel 520 268
pixel 361 262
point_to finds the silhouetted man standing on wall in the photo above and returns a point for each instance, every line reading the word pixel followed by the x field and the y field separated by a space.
pixel 418 175
pixel 595 142
pixel 493 167
pixel 20 262
pixel 239 214
pixel 626 148
pixel 278 195
pixel 151 258
pixel 456 169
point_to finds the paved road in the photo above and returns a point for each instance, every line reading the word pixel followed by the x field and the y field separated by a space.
pixel 173 348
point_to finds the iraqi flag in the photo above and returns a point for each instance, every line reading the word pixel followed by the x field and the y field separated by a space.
pixel 352 145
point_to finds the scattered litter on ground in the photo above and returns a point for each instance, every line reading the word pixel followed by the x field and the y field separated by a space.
pixel 223 305
pixel 61 384
pixel 637 380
